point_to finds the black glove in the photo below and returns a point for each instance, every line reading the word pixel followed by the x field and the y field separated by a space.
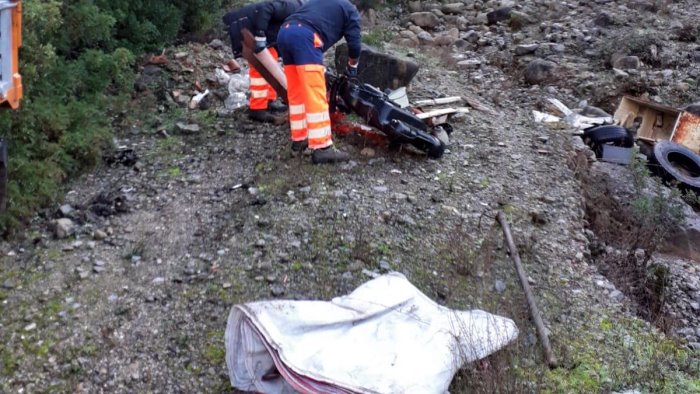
pixel 260 44
pixel 351 71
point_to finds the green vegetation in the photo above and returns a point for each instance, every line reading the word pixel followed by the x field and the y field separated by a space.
pixel 77 62
pixel 377 37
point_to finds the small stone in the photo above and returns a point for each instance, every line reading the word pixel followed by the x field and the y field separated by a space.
pixel 525 49
pixel 30 327
pixel 99 235
pixel 469 63
pixel 97 269
pixel 499 15
pixel 260 243
pixel 424 19
pixel 265 265
pixel 425 38
pixel 277 290
pixel 83 274
pixel 539 71
pixel 356 265
pixel 620 73
pixel 135 259
pixel 367 152
pixel 686 331
pixel 65 210
pixel 380 189
pixel 500 286
pixel 695 306
pixel 187 128
pixel 384 265
pixel 226 285
pixel 406 220
pixel 112 297
pixel 453 8
pixel 100 263
pixel 158 281
pixel 617 296
pixel 63 228
pixel 695 57
pixel 627 63
pixel 272 278
pixel 216 44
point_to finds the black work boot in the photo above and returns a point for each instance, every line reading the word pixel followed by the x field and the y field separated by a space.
pixel 329 155
pixel 298 146
pixel 265 116
pixel 277 106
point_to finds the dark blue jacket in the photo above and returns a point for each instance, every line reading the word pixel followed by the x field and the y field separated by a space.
pixel 262 19
pixel 332 20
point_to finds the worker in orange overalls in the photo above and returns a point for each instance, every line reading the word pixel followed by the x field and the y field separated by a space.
pixel 302 40
pixel 263 20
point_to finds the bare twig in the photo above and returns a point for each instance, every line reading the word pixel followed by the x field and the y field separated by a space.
pixel 534 311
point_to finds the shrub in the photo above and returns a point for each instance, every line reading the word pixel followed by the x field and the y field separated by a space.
pixel 77 63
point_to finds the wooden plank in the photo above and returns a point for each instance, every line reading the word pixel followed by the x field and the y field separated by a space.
pixel 440 112
pixel 437 101
pixel 249 55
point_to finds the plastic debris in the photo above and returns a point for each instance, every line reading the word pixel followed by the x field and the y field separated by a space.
pixel 385 337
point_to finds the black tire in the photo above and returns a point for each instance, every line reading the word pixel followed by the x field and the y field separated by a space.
pixel 676 162
pixel 598 136
pixel 436 151
pixel 609 134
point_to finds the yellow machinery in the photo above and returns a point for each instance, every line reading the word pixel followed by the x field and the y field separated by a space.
pixel 10 79
pixel 10 41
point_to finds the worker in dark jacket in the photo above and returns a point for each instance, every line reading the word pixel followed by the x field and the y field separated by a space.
pixel 264 21
pixel 302 40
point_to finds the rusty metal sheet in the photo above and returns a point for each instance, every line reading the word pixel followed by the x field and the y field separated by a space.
pixel 687 131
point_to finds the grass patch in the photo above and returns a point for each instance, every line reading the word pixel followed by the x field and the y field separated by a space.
pixel 214 354
pixel 376 37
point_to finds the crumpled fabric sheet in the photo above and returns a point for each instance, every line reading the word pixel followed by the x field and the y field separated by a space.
pixel 384 337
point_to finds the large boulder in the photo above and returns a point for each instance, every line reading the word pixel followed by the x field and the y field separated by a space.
pixel 378 69
pixel 447 38
pixel 539 71
pixel 499 15
pixel 424 19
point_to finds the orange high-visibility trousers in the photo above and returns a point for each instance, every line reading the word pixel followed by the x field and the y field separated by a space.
pixel 260 91
pixel 308 108
pixel 302 52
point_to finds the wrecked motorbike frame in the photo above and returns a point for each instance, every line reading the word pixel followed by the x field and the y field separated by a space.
pixel 401 126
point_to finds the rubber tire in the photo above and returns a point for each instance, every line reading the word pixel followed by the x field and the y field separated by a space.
pixel 598 136
pixel 436 151
pixel 666 153
pixel 609 134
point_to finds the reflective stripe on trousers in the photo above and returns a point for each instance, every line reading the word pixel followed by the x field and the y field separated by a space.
pixel 260 91
pixel 308 105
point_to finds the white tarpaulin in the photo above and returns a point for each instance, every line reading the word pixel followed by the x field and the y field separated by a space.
pixel 384 337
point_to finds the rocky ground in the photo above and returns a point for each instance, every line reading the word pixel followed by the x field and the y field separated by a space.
pixel 200 209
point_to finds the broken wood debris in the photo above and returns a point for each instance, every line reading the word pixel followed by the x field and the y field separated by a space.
pixel 437 101
pixel 441 112
pixel 534 310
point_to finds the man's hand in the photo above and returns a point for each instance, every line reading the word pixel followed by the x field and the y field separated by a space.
pixel 351 71
pixel 260 44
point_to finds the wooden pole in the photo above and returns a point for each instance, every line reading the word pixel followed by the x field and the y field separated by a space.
pixel 534 311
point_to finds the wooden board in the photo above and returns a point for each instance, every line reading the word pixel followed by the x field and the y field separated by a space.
pixel 440 112
pixel 249 55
